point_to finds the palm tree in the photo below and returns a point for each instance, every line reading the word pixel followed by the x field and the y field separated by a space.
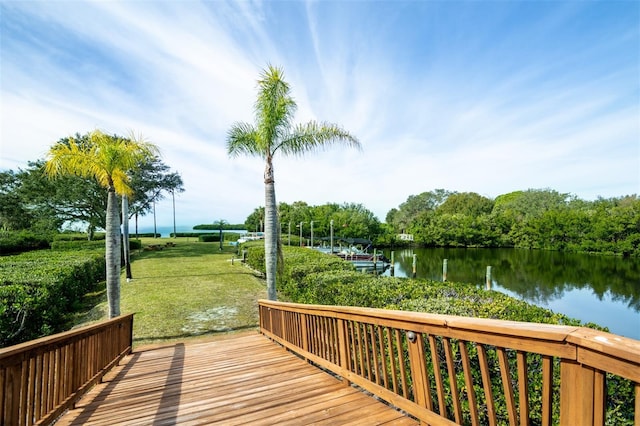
pixel 274 131
pixel 220 224
pixel 107 159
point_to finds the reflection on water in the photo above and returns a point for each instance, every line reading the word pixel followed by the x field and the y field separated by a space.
pixel 600 289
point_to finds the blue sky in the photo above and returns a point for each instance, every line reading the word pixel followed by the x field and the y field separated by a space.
pixel 482 96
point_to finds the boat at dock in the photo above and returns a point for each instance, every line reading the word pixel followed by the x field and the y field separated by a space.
pixel 356 252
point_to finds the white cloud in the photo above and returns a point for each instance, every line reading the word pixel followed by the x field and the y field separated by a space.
pixel 432 108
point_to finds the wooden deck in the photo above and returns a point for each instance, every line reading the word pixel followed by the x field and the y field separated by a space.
pixel 246 379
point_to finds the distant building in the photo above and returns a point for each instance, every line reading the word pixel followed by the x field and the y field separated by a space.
pixel 405 237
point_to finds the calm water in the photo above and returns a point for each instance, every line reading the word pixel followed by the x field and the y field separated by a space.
pixel 600 289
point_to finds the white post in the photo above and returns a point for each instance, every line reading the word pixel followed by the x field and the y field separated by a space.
pixel 444 270
pixel 331 233
pixel 301 233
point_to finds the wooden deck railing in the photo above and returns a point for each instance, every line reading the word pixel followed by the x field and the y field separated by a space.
pixel 456 370
pixel 42 378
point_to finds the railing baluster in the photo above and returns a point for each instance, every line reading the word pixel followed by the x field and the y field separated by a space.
pixel 505 374
pixel 547 390
pixel 361 361
pixel 334 342
pixel 3 385
pixel 392 361
pixel 437 372
pixel 305 332
pixel 343 347
pixel 523 388
pixel 600 398
pixel 453 383
pixel 486 384
pixel 13 397
pixel 326 341
pixel 24 392
pixel 636 411
pixel 367 348
pixel 353 349
pixel 403 368
pixel 383 357
pixel 33 394
pixel 374 355
pixel 468 380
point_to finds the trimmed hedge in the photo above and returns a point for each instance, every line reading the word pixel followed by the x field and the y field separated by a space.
pixel 38 289
pixel 209 238
pixel 22 241
pixel 78 236
pixel 77 245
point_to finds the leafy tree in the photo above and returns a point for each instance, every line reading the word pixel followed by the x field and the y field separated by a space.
pixel 416 205
pixel 150 181
pixel 13 213
pixel 391 216
pixel 534 219
pixel 466 203
pixel 69 198
pixel 274 131
pixel 107 160
pixel 72 198
pixel 255 221
pixel 350 220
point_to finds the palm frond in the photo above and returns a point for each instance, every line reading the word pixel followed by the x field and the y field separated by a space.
pixel 102 157
pixel 242 139
pixel 274 108
pixel 314 136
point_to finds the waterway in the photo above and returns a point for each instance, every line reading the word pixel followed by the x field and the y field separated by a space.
pixel 601 289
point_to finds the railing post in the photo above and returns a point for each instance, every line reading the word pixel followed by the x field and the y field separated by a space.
pixel 343 346
pixel 576 393
pixel 417 360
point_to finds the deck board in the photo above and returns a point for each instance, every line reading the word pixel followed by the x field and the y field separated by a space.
pixel 242 380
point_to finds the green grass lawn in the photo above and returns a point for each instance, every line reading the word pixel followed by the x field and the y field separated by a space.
pixel 192 289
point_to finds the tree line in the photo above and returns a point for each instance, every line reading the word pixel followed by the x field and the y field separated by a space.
pixel 533 219
pixel 349 220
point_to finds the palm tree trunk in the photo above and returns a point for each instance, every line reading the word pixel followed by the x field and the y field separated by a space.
pixel 112 255
pixel 270 231
pixel 125 237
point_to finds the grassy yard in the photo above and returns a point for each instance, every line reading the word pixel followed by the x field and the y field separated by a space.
pixel 189 290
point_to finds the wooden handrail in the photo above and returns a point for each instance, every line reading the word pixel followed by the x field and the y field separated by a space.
pixel 42 378
pixel 445 369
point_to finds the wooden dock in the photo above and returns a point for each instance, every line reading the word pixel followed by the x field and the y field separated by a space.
pixel 247 379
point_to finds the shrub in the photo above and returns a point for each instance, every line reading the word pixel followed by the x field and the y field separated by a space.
pixel 209 238
pixel 255 258
pixel 77 245
pixel 22 241
pixel 135 245
pixel 38 289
